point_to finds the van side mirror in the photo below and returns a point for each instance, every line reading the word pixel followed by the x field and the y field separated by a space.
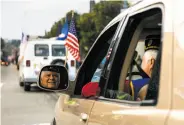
pixel 53 77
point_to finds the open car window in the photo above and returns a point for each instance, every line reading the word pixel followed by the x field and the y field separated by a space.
pixel 94 62
pixel 126 66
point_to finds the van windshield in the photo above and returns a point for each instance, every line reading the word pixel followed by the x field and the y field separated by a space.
pixel 41 50
pixel 58 50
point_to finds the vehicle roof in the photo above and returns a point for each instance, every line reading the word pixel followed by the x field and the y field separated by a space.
pixel 137 6
pixel 47 41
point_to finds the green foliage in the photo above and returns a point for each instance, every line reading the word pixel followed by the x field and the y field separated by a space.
pixel 2 43
pixel 7 47
pixel 55 28
pixel 15 43
pixel 89 25
pixel 104 12
pixel 87 34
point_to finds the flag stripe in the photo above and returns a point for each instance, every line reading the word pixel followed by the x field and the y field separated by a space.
pixel 75 43
pixel 72 36
pixel 71 45
pixel 72 42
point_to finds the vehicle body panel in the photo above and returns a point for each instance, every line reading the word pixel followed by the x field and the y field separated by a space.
pixel 72 111
pixel 177 113
pixel 106 113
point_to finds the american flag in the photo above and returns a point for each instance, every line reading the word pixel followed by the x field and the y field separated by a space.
pixel 24 38
pixel 109 53
pixel 72 43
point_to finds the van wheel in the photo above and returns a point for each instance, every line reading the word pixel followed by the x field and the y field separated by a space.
pixel 53 122
pixel 21 83
pixel 27 87
pixel 17 67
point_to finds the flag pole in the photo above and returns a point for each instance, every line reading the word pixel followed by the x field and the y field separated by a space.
pixel 66 57
pixel 24 43
pixel 66 50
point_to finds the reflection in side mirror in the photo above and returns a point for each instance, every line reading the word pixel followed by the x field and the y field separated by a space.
pixel 53 77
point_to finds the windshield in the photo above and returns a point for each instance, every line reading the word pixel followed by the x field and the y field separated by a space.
pixel 41 50
pixel 58 50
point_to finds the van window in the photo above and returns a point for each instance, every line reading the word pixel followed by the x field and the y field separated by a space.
pixel 58 50
pixel 127 65
pixel 41 50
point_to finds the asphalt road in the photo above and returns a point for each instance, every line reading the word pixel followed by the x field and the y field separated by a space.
pixel 24 108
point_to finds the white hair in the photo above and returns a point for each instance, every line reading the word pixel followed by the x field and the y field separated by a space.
pixel 150 54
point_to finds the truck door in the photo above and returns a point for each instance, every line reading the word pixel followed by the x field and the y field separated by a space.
pixel 119 107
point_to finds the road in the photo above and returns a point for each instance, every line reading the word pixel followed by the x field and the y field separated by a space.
pixel 24 108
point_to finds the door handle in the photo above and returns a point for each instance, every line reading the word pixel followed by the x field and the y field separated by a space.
pixel 83 117
pixel 45 58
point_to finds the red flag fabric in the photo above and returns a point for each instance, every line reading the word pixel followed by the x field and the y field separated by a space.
pixel 90 89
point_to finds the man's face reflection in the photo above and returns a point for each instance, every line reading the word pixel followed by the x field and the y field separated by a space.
pixel 49 79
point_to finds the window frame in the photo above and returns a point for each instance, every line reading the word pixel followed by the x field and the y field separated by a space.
pixel 114 39
pixel 39 45
pixel 57 45
pixel 104 77
pixel 145 9
pixel 86 70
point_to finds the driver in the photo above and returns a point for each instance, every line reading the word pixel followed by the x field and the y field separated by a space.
pixel 151 49
pixel 49 78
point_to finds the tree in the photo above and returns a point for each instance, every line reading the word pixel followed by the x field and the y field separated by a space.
pixel 87 34
pixel 89 25
pixel 57 25
pixel 104 12
pixel 15 43
pixel 4 48
pixel 92 24
pixel 2 43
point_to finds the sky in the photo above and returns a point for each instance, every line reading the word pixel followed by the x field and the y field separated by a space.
pixel 34 17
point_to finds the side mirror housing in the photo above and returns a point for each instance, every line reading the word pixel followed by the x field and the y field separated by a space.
pixel 53 78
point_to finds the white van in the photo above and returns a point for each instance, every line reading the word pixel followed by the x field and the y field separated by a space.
pixel 39 53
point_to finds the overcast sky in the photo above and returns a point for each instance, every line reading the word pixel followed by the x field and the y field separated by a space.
pixel 35 16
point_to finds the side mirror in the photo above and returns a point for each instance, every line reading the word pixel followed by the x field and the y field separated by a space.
pixel 53 77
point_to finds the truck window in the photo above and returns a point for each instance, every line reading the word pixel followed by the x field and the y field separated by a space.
pixel 126 66
pixel 41 50
pixel 58 50
pixel 91 67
